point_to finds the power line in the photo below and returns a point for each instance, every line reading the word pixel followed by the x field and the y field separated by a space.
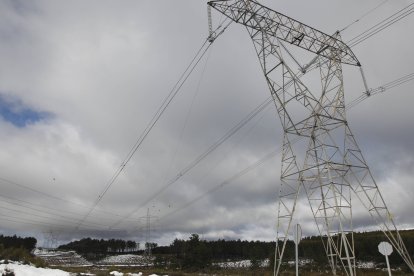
pixel 33 211
pixel 167 100
pixel 364 15
pixel 395 83
pixel 359 99
pixel 226 182
pixel 248 118
pixel 257 110
pixel 203 155
pixel 34 204
pixel 174 91
pixel 132 152
pixel 273 153
pixel 59 199
pixel 383 24
pixel 29 221
pixel 382 88
pixel 186 120
pixel 31 214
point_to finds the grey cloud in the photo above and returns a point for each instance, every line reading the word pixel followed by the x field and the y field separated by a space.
pixel 104 68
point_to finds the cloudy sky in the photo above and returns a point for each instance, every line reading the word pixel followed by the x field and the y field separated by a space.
pixel 80 81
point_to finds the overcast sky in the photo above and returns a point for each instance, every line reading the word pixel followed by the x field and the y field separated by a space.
pixel 80 80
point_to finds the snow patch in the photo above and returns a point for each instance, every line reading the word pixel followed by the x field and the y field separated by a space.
pixel 27 270
pixel 116 273
pixel 235 264
pixel 61 258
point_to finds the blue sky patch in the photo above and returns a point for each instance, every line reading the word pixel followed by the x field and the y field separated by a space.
pixel 14 111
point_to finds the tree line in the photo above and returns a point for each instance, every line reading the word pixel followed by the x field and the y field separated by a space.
pixel 28 243
pixel 88 246
pixel 200 254
pixel 196 253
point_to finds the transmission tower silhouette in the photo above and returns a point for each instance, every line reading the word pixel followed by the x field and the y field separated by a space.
pixel 148 244
pixel 50 239
pixel 327 167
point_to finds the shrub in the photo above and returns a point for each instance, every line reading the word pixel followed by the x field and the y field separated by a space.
pixel 8 272
pixel 21 255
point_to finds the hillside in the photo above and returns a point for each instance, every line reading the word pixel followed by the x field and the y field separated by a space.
pixel 197 254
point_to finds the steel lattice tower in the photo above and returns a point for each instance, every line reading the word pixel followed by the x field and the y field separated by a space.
pixel 328 167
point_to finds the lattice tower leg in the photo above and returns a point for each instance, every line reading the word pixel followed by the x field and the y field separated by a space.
pixel 324 172
pixel 284 93
pixel 366 190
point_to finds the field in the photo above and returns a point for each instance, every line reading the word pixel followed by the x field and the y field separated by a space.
pixel 130 264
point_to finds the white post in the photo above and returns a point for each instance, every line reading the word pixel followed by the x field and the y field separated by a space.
pixel 297 237
pixel 388 265
pixel 297 259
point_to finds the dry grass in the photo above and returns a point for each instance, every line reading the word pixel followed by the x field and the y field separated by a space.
pixel 99 271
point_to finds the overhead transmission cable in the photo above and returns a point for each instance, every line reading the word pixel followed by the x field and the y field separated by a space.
pixel 186 120
pixel 353 103
pixel 383 24
pixel 35 222
pixel 203 155
pixel 358 39
pixel 57 215
pixel 32 214
pixel 30 221
pixel 228 181
pixel 246 120
pixel 166 102
pixel 356 101
pixel 383 88
pixel 35 208
pixel 60 199
pixel 278 150
pixel 368 33
pixel 364 15
pixel 373 30
pixel 22 202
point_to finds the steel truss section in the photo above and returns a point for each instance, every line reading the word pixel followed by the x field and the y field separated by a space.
pixel 260 18
pixel 333 171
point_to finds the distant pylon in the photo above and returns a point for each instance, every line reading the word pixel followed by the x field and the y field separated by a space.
pixel 148 244
pixel 50 239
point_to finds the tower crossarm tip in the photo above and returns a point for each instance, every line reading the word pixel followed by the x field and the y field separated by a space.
pixel 256 16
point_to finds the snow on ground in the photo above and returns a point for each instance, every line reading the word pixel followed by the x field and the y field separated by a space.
pixel 302 262
pixel 241 264
pixel 61 258
pixel 116 273
pixel 127 259
pixel 365 264
pixel 27 270
pixel 46 252
pixel 20 269
pixel 235 264
pixel 71 258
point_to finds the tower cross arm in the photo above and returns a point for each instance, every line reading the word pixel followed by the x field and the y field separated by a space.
pixel 258 17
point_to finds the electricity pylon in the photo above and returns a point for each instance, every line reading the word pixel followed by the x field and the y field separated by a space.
pixel 329 167
pixel 148 244
pixel 50 239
